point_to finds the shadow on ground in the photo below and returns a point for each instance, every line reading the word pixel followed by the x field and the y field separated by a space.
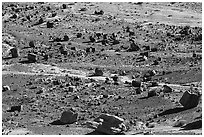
pixel 172 111
pixel 57 122
pixel 26 61
pixel 193 125
pixel 6 58
pixel 95 133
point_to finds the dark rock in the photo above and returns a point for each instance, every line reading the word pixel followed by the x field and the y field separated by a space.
pixel 136 83
pixel 16 108
pixel 50 24
pixel 32 44
pixel 189 100
pixel 83 9
pixel 14 53
pixel 98 72
pixel 64 6
pixel 167 89
pixel 92 39
pixel 73 48
pixel 101 12
pixel 69 117
pixel 154 91
pixel 32 57
pixel 79 35
pixel 66 38
pixel 138 90
pixel 146 53
pixel 5 88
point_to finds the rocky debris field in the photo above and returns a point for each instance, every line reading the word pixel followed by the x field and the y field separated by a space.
pixel 101 68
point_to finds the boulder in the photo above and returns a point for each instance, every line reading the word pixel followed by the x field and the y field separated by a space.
pixel 68 117
pixel 92 39
pixel 107 81
pixel 83 9
pixel 136 83
pixel 153 84
pixel 190 100
pixel 133 47
pixel 155 62
pixel 32 57
pixel 93 49
pixel 16 108
pixel 167 89
pixel 154 91
pixel 32 44
pixel 72 89
pixel 98 72
pixel 14 53
pixel 115 78
pixel 138 90
pixel 73 48
pixel 6 49
pixel 50 24
pixel 146 53
pixel 64 6
pixel 88 50
pixel 110 124
pixel 66 37
pixel 5 88
pixel 79 35
pixel 101 12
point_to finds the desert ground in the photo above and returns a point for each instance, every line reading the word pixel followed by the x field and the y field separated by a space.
pixel 129 62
